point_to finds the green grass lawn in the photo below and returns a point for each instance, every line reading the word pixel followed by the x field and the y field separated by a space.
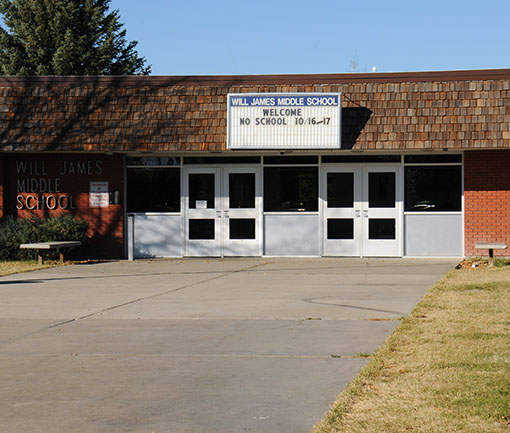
pixel 445 369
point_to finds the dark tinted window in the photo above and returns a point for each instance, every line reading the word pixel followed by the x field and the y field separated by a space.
pixel 432 159
pixel 201 229
pixel 381 189
pixel 221 160
pixel 340 190
pixel 153 190
pixel 291 160
pixel 433 189
pixel 361 158
pixel 241 190
pixel 241 228
pixel 153 161
pixel 201 190
pixel 340 228
pixel 381 228
pixel 290 189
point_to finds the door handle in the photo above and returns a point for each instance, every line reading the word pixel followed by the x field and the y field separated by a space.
pixel 225 214
pixel 218 214
pixel 358 213
pixel 365 213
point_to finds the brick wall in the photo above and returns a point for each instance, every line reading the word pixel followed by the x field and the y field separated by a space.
pixel 486 199
pixel 53 184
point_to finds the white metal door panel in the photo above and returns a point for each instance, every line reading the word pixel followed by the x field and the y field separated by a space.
pixel 202 211
pixel 381 212
pixel 341 206
pixel 242 211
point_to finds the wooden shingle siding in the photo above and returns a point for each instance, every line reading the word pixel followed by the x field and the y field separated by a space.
pixel 454 110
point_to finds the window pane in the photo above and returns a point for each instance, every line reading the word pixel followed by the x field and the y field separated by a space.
pixel 381 228
pixel 421 159
pixel 381 189
pixel 241 188
pixel 201 190
pixel 242 228
pixel 153 189
pixel 361 158
pixel 340 190
pixel 211 160
pixel 201 229
pixel 340 228
pixel 433 189
pixel 280 160
pixel 153 161
pixel 290 189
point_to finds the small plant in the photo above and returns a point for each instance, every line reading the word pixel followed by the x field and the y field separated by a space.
pixel 14 232
pixel 499 262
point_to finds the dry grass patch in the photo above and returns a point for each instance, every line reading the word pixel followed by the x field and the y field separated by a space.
pixel 14 267
pixel 445 369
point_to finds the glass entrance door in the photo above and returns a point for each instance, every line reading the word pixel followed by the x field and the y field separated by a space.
pixel 361 211
pixel 381 212
pixel 242 212
pixel 202 212
pixel 222 211
pixel 342 211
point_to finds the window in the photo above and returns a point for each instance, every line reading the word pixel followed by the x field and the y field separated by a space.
pixel 381 228
pixel 201 190
pixel 381 190
pixel 241 228
pixel 153 189
pixel 291 189
pixel 288 160
pixel 340 190
pixel 360 158
pixel 432 159
pixel 433 188
pixel 241 188
pixel 153 161
pixel 199 160
pixel 340 228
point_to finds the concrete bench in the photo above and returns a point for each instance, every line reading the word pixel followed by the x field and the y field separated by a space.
pixel 491 246
pixel 50 246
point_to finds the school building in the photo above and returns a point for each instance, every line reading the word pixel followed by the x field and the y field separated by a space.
pixel 350 165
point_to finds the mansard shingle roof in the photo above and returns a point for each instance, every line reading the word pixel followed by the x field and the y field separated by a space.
pixel 380 111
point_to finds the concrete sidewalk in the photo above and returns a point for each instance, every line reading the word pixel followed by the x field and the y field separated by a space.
pixel 195 345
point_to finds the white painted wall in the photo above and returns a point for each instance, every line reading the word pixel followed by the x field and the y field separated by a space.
pixel 433 235
pixel 291 235
pixel 157 235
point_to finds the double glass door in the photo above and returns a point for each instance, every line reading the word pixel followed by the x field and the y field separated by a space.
pixel 223 212
pixel 362 211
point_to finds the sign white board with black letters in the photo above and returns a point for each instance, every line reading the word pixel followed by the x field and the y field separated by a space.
pixel 284 121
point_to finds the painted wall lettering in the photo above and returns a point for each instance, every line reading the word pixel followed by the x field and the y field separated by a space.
pixel 41 202
pixel 38 190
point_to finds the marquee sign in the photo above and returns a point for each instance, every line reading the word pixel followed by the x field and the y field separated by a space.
pixel 284 121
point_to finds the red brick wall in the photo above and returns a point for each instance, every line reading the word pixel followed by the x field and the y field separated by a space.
pixel 46 185
pixel 486 199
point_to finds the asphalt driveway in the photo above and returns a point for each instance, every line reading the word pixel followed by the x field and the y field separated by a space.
pixel 202 346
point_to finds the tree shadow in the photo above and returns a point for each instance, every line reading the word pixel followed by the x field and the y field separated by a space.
pixel 122 114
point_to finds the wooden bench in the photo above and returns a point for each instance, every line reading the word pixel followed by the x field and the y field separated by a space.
pixel 50 246
pixel 491 246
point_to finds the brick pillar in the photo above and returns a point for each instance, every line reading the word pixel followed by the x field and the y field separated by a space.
pixel 486 199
